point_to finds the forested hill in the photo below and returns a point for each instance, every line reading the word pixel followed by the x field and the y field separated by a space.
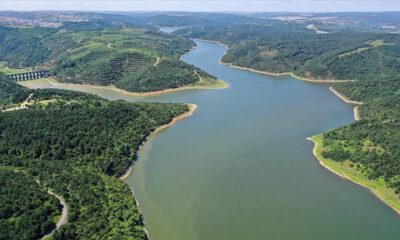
pixel 100 53
pixel 370 59
pixel 27 211
pixel 283 48
pixel 76 144
pixel 11 92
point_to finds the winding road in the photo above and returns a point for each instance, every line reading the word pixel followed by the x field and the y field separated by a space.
pixel 64 214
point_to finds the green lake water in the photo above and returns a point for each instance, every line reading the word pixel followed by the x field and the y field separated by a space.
pixel 241 168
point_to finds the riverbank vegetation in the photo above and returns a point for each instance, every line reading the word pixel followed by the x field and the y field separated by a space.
pixel 369 59
pixel 77 145
pixel 355 172
pixel 336 56
pixel 100 53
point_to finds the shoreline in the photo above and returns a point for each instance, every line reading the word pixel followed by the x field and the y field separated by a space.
pixel 356 110
pixel 291 74
pixel 343 97
pixel 192 109
pixel 219 84
pixel 142 222
pixel 213 41
pixel 376 187
pixel 357 115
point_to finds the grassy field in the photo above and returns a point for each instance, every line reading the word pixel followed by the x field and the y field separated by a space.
pixel 348 171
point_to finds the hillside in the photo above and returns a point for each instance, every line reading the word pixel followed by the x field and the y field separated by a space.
pixel 27 211
pixel 77 144
pixel 102 54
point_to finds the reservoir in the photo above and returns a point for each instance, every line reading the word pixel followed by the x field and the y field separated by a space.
pixel 241 168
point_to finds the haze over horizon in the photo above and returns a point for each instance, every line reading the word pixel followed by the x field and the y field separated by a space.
pixel 203 6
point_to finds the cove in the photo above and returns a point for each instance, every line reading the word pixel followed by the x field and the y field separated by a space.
pixel 241 168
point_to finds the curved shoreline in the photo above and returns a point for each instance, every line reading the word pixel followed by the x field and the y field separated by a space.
pixel 219 84
pixel 379 190
pixel 291 74
pixel 192 109
pixel 357 115
pixel 356 110
pixel 343 97
pixel 285 74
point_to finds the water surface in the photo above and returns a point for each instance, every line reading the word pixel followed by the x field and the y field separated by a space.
pixel 241 168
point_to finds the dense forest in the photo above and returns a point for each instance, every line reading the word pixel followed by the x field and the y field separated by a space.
pixel 167 74
pixel 23 47
pixel 11 92
pixel 294 49
pixel 27 211
pixel 77 144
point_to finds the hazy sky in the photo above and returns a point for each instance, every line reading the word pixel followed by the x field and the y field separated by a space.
pixel 205 5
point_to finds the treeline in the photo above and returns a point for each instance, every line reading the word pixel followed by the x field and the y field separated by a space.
pixel 101 67
pixel 22 47
pixel 99 206
pixel 138 61
pixel 11 92
pixel 27 211
pixel 77 144
pixel 342 55
pixel 102 52
pixel 97 133
pixel 167 74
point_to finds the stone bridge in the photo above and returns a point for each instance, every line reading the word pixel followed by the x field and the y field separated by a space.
pixel 28 75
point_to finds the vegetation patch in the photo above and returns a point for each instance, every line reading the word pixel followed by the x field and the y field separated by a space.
pixel 27 211
pixel 357 173
pixel 77 144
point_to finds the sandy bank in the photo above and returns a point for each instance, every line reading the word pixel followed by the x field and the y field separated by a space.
pixel 357 115
pixel 272 73
pixel 212 41
pixel 285 74
pixel 219 84
pixel 344 98
pixel 376 187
